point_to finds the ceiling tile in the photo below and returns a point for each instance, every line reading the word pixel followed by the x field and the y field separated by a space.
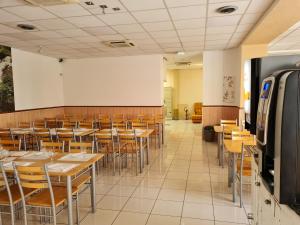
pixel 73 33
pixel 216 42
pixel 189 12
pixel 47 34
pixel 64 41
pixel 137 36
pixel 223 20
pixel 167 40
pixel 30 12
pixel 7 30
pixel 95 9
pixel 193 43
pixel 145 41
pixel 171 45
pixel 226 1
pixel 192 38
pixel 55 24
pixel 188 24
pixel 87 39
pixel 6 3
pixel 191 32
pixel 245 28
pixel 111 37
pixel 4 38
pixel 242 6
pixel 99 30
pixel 158 26
pixel 117 18
pixel 151 15
pixel 164 34
pixel 128 28
pixel 134 5
pixel 8 17
pixel 259 6
pixel 218 37
pixel 178 3
pixel 85 21
pixel 67 10
pixel 220 30
pixel 24 36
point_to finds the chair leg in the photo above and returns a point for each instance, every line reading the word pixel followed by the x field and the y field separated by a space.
pixel 12 215
pixel 77 209
pixel 114 163
pixel 241 191
pixel 119 163
pixel 137 163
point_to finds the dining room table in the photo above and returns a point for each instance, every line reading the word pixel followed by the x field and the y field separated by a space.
pixel 235 148
pixel 67 165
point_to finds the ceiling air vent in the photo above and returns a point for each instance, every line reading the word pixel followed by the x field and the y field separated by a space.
pixel 183 63
pixel 119 44
pixel 51 2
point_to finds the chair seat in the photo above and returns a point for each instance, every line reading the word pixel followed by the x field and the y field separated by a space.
pixel 16 195
pixel 43 198
pixel 81 180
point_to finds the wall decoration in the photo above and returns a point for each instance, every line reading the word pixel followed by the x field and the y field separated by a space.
pixel 228 89
pixel 7 101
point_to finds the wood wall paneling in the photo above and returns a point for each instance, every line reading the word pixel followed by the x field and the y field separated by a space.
pixel 213 114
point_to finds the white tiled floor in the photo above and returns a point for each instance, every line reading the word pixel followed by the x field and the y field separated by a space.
pixel 183 185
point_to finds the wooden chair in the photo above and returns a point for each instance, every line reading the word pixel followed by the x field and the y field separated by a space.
pixel 105 144
pixel 118 118
pixel 119 125
pixel 105 123
pixel 65 135
pixel 51 123
pixel 243 161
pixel 197 117
pixel 41 134
pixel 39 124
pixel 228 122
pixel 88 125
pixel 139 125
pixel 128 144
pixel 49 197
pixel 154 124
pixel 69 124
pixel 6 134
pixel 11 145
pixel 52 146
pixel 10 195
pixel 79 147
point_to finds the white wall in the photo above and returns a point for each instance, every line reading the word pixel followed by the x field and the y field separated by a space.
pixel 216 65
pixel 37 81
pixel 114 81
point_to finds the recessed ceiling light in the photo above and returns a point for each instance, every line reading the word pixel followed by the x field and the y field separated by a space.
pixel 227 9
pixel 116 9
pixel 89 3
pixel 180 53
pixel 26 26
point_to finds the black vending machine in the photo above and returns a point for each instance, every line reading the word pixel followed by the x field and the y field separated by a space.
pixel 278 136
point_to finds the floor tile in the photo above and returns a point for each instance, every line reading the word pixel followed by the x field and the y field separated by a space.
pixel 198 211
pixel 121 190
pixel 230 214
pixel 163 220
pixel 129 218
pixel 112 202
pixel 198 197
pixel 141 205
pixel 146 192
pixel 191 221
pixel 169 208
pixel 101 217
pixel 171 194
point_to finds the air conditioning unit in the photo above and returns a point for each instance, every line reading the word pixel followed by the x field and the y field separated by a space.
pixel 51 2
pixel 119 44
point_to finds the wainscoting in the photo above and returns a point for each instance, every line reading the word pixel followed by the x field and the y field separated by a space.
pixel 213 114
pixel 12 119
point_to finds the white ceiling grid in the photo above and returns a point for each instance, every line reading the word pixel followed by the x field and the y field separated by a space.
pixel 155 26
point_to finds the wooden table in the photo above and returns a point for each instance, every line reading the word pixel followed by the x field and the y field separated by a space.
pixel 234 147
pixel 82 165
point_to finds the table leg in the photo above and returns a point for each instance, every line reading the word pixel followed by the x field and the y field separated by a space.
pixel 141 155
pixel 230 169
pixel 222 151
pixel 24 140
pixel 234 177
pixel 69 200
pixel 163 133
pixel 93 188
pixel 219 147
pixel 148 150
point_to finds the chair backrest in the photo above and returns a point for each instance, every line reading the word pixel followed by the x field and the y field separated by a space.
pixel 227 130
pixel 4 183
pixel 228 122
pixel 118 117
pixel 69 124
pixel 89 125
pixel 65 134
pixel 11 145
pixel 51 123
pixel 139 125
pixel 119 125
pixel 52 146
pixel 105 123
pixel 5 134
pixel 24 124
pixel 78 147
pixel 198 108
pixel 240 135
pixel 39 124
pixel 127 136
